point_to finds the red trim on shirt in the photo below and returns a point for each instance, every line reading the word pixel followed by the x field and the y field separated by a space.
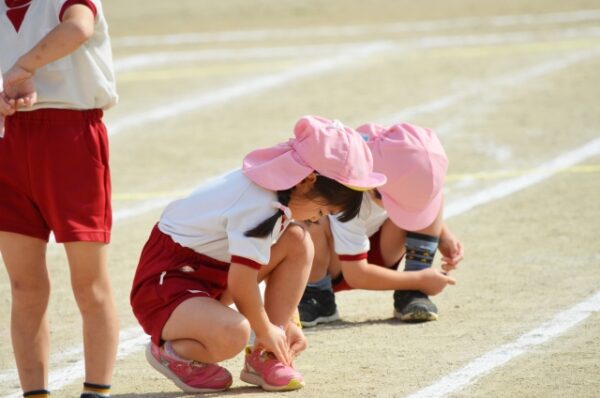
pixel 16 12
pixel 353 257
pixel 245 261
pixel 16 3
pixel 70 3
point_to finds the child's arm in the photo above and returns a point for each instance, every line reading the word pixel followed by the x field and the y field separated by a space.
pixel 361 275
pixel 243 286
pixel 451 249
pixel 6 109
pixel 297 342
pixel 76 27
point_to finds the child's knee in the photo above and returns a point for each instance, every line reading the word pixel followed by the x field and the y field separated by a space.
pixel 30 293
pixel 233 338
pixel 92 298
pixel 300 243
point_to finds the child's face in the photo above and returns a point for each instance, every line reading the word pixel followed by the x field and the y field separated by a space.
pixel 309 210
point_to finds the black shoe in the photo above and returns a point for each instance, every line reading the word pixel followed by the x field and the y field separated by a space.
pixel 317 306
pixel 413 306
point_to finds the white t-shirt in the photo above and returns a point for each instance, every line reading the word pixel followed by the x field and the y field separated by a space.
pixel 84 79
pixel 352 238
pixel 213 219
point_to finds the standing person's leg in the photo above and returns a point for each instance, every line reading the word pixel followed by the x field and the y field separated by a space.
pixel 90 281
pixel 25 261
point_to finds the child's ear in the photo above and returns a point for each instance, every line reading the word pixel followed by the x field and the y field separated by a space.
pixel 312 177
pixel 307 183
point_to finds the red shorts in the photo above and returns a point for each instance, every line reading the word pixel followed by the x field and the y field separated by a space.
pixel 54 175
pixel 374 257
pixel 169 274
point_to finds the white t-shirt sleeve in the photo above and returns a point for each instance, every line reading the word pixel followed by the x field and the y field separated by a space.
pixel 350 238
pixel 242 219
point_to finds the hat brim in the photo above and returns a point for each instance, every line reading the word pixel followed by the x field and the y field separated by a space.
pixel 275 168
pixel 410 219
pixel 375 180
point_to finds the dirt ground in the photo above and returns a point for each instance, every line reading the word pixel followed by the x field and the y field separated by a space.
pixel 511 88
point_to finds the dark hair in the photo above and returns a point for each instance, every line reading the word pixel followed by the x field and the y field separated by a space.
pixel 329 191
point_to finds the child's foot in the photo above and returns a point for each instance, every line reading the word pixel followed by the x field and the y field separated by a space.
pixel 317 306
pixel 413 306
pixel 261 368
pixel 190 376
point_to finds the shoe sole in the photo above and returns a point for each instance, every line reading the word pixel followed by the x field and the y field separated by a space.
pixel 252 378
pixel 171 376
pixel 322 319
pixel 418 315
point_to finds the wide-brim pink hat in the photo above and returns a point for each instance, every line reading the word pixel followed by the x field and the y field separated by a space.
pixel 322 145
pixel 415 164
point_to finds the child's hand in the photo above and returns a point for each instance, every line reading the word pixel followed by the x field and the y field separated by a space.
pixel 19 88
pixel 433 281
pixel 452 251
pixel 275 341
pixel 297 342
pixel 6 105
pixel 6 109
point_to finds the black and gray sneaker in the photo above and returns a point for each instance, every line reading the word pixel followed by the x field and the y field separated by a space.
pixel 317 306
pixel 413 306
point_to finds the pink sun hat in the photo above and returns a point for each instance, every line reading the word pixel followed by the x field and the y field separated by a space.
pixel 415 163
pixel 322 145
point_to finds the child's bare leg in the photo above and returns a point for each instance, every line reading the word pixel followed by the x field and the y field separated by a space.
pixel 205 330
pixel 391 243
pixel 323 253
pixel 287 273
pixel 88 262
pixel 25 261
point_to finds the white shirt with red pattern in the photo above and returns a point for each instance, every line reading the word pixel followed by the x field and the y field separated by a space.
pixel 81 80
pixel 213 219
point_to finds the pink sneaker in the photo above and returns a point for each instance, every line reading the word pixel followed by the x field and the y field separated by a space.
pixel 190 376
pixel 261 368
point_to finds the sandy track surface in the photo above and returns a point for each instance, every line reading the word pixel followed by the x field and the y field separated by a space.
pixel 512 89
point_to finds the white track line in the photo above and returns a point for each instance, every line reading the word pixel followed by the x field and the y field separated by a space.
pixel 423 26
pixel 513 185
pixel 160 59
pixel 475 369
pixel 194 102
pixel 510 79
pixel 164 58
pixel 131 344
pixel 130 338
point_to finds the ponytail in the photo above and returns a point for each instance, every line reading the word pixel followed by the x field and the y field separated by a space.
pixel 266 227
